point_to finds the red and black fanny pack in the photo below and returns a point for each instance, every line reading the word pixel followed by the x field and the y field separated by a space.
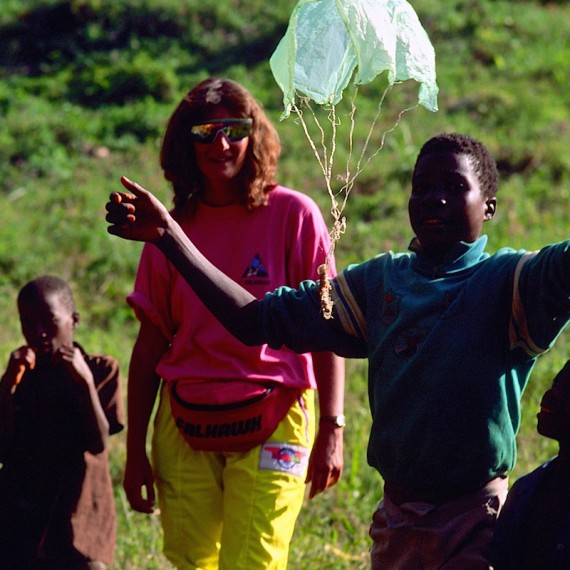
pixel 235 415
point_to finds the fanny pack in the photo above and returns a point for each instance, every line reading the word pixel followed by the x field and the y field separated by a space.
pixel 228 415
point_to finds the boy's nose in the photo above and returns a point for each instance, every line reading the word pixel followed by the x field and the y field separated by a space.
pixel 548 399
pixel 40 334
pixel 436 195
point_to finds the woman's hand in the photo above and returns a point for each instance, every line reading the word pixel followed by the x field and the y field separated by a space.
pixel 326 461
pixel 139 483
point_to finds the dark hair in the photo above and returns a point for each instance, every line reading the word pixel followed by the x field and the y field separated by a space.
pixel 177 157
pixel 47 285
pixel 483 163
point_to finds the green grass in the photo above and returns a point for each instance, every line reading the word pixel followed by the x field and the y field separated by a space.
pixel 85 102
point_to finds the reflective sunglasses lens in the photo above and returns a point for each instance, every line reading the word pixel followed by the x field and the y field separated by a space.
pixel 233 129
pixel 205 133
pixel 238 131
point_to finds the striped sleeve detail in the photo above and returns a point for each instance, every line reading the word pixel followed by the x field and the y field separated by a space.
pixel 519 335
pixel 346 308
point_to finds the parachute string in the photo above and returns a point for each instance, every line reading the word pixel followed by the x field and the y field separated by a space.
pixel 360 167
pixel 326 162
pixel 298 111
pixel 325 158
pixel 371 129
pixel 333 122
pixel 352 116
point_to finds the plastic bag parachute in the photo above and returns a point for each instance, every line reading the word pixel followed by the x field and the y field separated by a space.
pixel 332 43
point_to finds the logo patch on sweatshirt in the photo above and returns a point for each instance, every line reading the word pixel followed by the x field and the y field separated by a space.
pixel 408 341
pixel 390 307
pixel 255 273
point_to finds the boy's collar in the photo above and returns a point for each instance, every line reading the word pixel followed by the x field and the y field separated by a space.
pixel 462 255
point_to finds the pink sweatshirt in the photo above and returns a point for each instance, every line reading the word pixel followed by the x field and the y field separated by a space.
pixel 282 243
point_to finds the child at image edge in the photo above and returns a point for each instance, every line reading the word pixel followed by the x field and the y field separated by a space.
pixel 533 530
pixel 451 334
pixel 58 405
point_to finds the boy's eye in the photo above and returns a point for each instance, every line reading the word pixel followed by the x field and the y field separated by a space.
pixel 449 186
pixel 456 183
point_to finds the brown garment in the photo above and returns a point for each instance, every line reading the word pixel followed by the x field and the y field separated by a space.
pixel 454 535
pixel 58 498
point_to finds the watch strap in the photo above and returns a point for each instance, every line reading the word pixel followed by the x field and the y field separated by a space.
pixel 338 420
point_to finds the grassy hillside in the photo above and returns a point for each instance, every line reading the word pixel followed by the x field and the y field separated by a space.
pixel 86 87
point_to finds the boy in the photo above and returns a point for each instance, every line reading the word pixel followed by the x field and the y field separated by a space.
pixel 533 530
pixel 451 334
pixel 58 405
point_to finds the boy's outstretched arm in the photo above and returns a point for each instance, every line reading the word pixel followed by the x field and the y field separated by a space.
pixel 138 215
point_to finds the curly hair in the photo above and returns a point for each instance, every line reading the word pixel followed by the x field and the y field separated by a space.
pixel 177 157
pixel 483 163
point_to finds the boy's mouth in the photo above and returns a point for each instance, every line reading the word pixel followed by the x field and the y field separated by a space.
pixel 546 409
pixel 433 222
pixel 43 348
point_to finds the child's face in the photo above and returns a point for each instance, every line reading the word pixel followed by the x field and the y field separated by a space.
pixel 554 415
pixel 446 205
pixel 47 324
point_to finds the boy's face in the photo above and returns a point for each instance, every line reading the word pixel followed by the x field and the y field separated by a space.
pixel 47 324
pixel 446 205
pixel 554 415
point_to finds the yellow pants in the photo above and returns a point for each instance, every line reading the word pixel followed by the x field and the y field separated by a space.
pixel 232 511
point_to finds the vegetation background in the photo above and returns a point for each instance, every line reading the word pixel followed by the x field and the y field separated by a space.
pixel 86 87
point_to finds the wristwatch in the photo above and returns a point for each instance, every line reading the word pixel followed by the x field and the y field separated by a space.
pixel 338 421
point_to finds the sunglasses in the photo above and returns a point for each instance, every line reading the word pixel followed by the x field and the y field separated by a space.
pixel 233 129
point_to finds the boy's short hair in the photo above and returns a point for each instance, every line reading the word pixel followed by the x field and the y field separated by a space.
pixel 46 285
pixel 483 163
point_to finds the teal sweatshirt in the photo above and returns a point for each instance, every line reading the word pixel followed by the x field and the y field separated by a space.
pixel 450 350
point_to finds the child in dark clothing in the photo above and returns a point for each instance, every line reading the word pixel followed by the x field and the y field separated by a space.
pixel 533 530
pixel 451 334
pixel 58 405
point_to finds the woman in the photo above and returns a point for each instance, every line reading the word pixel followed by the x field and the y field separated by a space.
pixel 234 506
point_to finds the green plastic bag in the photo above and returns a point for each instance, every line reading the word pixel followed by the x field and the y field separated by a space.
pixel 328 43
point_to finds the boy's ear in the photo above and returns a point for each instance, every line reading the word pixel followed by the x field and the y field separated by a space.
pixel 491 208
pixel 75 319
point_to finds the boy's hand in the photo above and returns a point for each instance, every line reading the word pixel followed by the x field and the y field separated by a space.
pixel 22 359
pixel 73 359
pixel 136 215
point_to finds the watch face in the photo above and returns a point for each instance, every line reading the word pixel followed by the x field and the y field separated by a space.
pixel 338 421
